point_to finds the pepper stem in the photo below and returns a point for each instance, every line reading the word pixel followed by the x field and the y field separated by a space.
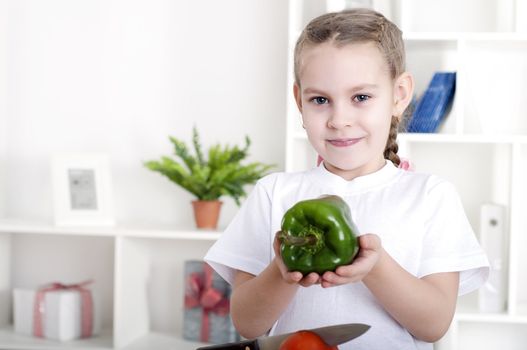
pixel 297 240
pixel 311 239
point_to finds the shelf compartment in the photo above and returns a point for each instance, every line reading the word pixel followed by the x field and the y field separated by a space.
pixel 150 286
pixel 11 340
pixel 38 260
pixel 426 57
pixel 518 263
pixel 438 16
pixel 494 101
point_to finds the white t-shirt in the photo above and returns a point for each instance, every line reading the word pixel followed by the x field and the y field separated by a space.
pixel 419 218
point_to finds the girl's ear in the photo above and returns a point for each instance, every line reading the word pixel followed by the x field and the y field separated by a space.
pixel 403 92
pixel 298 98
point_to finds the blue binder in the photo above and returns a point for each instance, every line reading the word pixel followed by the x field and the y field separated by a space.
pixel 431 108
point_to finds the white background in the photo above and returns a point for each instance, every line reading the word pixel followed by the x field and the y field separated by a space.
pixel 119 76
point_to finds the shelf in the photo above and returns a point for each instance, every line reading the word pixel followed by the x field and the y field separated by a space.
pixel 160 341
pixel 444 36
pixel 11 340
pixel 454 36
pixel 430 36
pixel 449 138
pixel 471 16
pixel 490 318
pixel 461 138
pixel 18 226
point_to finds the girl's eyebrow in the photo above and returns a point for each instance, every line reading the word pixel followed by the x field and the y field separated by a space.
pixel 313 91
pixel 360 87
pixel 364 87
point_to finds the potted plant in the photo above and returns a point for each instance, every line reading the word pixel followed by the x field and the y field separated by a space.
pixel 220 174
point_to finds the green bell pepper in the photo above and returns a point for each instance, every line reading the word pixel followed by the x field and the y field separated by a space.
pixel 318 235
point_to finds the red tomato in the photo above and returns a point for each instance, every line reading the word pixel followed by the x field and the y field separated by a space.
pixel 305 340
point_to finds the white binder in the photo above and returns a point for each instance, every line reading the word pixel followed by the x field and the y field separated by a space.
pixel 493 295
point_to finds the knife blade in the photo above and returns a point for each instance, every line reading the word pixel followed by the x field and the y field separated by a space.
pixel 332 335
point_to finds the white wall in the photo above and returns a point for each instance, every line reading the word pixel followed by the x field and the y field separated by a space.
pixel 5 240
pixel 119 76
pixel 3 100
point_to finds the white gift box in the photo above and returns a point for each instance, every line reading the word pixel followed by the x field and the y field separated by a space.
pixel 62 318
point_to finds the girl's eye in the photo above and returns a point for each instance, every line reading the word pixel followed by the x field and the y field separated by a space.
pixel 319 100
pixel 361 98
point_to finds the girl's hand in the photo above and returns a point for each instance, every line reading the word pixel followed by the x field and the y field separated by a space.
pixel 369 253
pixel 294 276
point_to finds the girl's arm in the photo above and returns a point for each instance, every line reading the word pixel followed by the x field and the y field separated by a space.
pixel 258 301
pixel 424 306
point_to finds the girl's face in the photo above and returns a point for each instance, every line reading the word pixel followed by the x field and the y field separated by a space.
pixel 347 99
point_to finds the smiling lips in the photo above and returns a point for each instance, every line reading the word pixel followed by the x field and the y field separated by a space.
pixel 344 142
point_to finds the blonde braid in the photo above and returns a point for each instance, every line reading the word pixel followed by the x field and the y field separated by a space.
pixel 390 152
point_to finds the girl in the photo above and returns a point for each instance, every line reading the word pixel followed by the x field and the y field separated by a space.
pixel 417 249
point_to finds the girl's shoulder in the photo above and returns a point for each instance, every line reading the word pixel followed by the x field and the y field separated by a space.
pixel 428 183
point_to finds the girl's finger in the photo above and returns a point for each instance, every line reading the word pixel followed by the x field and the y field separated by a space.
pixel 369 241
pixel 310 280
pixel 293 277
pixel 334 279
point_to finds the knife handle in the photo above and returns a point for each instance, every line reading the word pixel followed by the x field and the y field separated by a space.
pixel 241 345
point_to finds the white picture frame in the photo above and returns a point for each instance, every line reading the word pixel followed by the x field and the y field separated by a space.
pixel 82 190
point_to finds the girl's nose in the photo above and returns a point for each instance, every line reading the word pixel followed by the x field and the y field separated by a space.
pixel 341 116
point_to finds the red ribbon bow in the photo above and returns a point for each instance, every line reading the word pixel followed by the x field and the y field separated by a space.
pixel 86 306
pixel 200 293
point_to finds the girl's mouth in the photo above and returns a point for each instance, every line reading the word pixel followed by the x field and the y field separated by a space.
pixel 344 142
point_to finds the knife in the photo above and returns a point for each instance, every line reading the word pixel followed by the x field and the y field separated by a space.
pixel 332 335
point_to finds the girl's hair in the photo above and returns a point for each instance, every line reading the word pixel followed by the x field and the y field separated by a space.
pixel 358 26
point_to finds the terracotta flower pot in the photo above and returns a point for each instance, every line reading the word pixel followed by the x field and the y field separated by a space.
pixel 206 213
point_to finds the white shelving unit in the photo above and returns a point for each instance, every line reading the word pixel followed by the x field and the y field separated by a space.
pixel 481 147
pixel 138 273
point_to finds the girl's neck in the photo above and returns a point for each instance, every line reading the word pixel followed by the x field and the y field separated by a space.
pixel 350 174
